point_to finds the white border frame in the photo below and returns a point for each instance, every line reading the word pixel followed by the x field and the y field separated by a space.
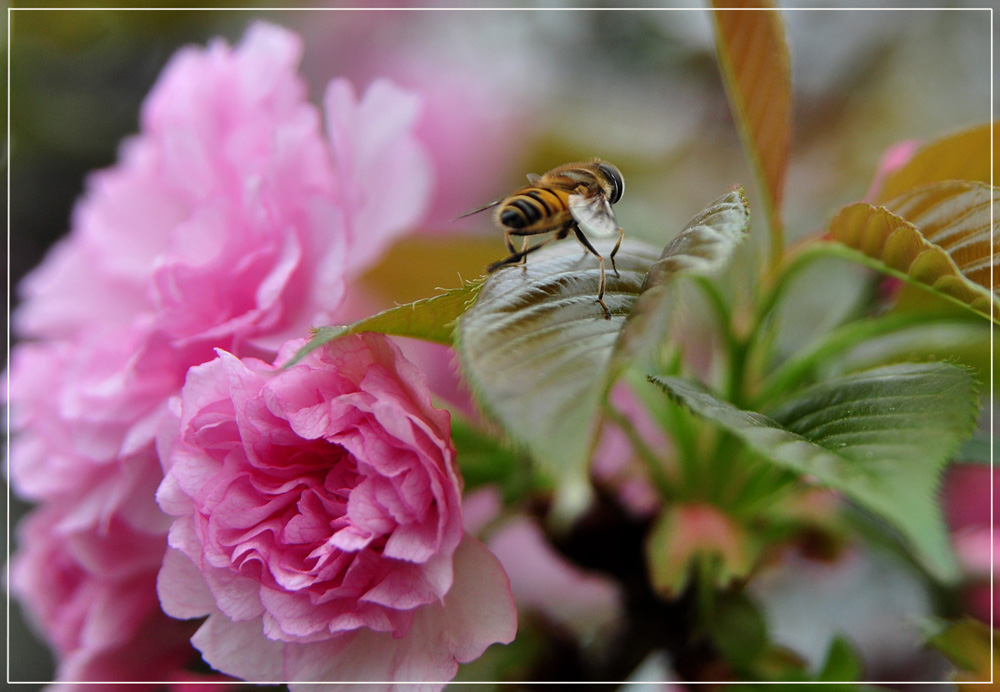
pixel 7 157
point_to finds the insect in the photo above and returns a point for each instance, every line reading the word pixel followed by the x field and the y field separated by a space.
pixel 572 198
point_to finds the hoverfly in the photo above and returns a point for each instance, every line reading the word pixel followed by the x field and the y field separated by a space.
pixel 574 197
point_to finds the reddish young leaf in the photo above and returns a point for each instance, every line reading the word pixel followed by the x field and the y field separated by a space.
pixel 954 214
pixel 963 155
pixel 754 60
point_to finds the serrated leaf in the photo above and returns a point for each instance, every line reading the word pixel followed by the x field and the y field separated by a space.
pixel 955 215
pixel 880 437
pixel 754 60
pixel 536 348
pixel 539 353
pixel 896 246
pixel 963 155
pixel 429 319
pixel 704 247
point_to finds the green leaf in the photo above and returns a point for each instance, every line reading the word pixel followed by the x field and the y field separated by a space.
pixel 536 349
pixel 841 663
pixel 896 246
pixel 540 355
pixel 704 247
pixel 754 60
pixel 430 319
pixel 963 155
pixel 880 437
pixel 893 338
pixel 739 630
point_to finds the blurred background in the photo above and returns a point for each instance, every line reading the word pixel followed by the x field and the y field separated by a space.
pixel 508 92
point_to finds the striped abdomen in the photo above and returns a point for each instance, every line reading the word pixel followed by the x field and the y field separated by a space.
pixel 535 208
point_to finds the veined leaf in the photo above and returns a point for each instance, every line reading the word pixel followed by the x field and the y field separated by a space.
pixel 536 348
pixel 955 215
pixel 430 319
pixel 880 437
pixel 963 155
pixel 704 247
pixel 897 246
pixel 539 353
pixel 754 60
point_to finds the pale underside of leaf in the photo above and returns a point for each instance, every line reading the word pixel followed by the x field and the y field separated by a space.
pixel 899 247
pixel 880 437
pixel 429 319
pixel 963 155
pixel 538 351
pixel 536 347
pixel 704 247
pixel 754 59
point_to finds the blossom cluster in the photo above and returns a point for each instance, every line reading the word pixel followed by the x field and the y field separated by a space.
pixel 179 470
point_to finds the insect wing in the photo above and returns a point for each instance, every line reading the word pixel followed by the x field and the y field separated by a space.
pixel 594 215
pixel 482 208
pixel 534 178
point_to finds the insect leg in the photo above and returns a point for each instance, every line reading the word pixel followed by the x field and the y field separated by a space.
pixel 524 250
pixel 516 257
pixel 621 234
pixel 510 244
pixel 600 291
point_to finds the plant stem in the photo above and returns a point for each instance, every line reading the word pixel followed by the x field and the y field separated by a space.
pixel 653 462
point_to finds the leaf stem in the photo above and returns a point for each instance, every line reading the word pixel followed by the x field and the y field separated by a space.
pixel 723 315
pixel 794 261
pixel 654 463
pixel 676 421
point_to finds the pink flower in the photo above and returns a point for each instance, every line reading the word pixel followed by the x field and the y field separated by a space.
pixel 471 130
pixel 319 522
pixel 230 221
pixel 94 595
pixel 86 413
pixel 894 158
pixel 967 510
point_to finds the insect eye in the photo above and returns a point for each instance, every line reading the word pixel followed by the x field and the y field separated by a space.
pixel 618 184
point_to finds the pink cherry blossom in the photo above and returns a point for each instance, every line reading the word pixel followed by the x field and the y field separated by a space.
pixel 320 524
pixel 894 158
pixel 967 498
pixel 93 593
pixel 231 220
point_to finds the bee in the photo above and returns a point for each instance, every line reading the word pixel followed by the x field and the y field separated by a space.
pixel 572 198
